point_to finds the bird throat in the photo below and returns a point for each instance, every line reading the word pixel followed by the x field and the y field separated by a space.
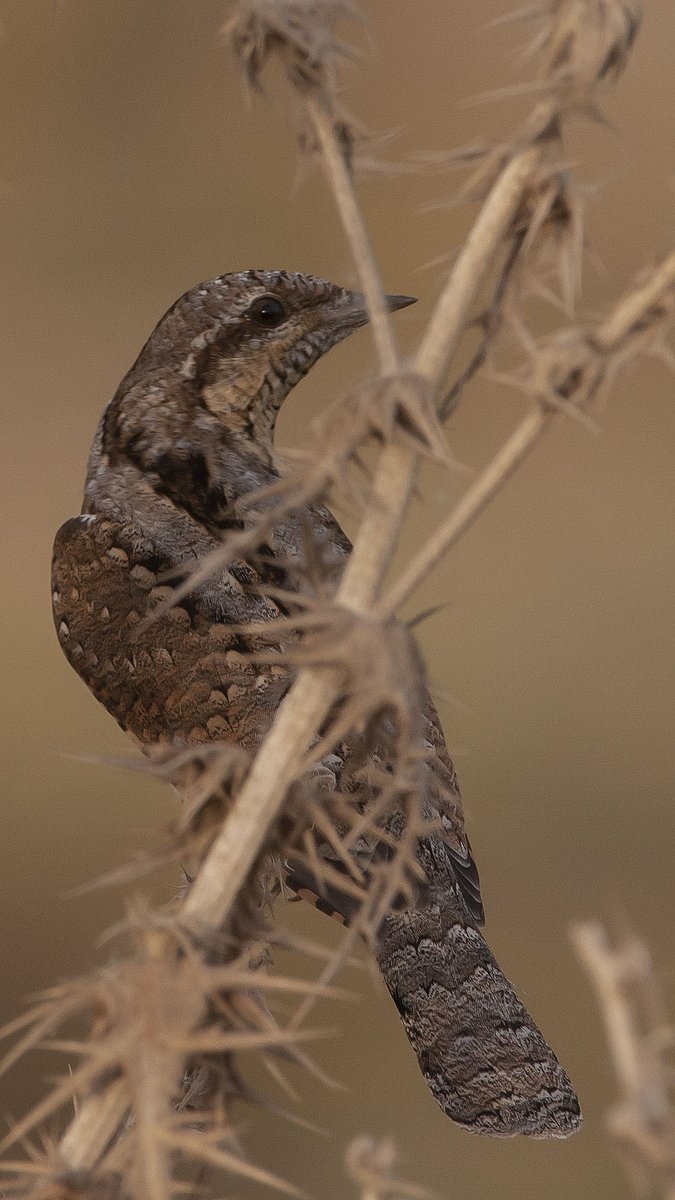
pixel 247 396
pixel 243 416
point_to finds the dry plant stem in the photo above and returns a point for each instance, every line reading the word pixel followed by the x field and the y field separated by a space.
pixel 277 763
pixel 302 712
pixel 397 470
pixel 635 307
pixel 96 1122
pixel 490 321
pixel 643 1123
pixel 395 477
pixel 603 967
pixel 462 517
pixel 279 760
pixel 371 1165
pixel 608 338
pixel 257 806
pixel 475 260
pixel 259 802
pixel 340 179
pixel 373 548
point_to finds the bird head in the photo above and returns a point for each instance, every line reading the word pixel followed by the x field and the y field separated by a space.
pixel 218 366
pixel 259 333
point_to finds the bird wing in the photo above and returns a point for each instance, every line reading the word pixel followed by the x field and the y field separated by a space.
pixel 184 678
pixel 189 677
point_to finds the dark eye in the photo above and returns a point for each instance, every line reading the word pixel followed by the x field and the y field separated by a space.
pixel 267 311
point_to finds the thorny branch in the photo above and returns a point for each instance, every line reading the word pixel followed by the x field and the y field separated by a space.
pixel 489 323
pixel 309 701
pixel 205 1007
pixel 565 374
pixel 371 1165
pixel 307 705
pixel 642 1124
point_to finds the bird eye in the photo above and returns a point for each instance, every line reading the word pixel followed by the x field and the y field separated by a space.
pixel 267 311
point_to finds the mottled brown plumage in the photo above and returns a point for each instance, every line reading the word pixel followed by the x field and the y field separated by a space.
pixel 188 434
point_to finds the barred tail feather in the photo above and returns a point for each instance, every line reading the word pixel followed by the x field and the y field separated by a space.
pixel 483 1058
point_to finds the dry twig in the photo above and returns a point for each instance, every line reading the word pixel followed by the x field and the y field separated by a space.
pixel 642 1124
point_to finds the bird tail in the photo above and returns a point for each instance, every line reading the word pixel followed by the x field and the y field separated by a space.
pixel 483 1058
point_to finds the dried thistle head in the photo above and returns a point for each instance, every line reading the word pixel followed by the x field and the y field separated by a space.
pixel 581 43
pixel 372 1164
pixel 299 32
pixel 163 1033
pixel 551 220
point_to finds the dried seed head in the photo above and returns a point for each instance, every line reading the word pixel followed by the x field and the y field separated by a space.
pixel 551 218
pixel 371 1165
pixel 584 42
pixel 300 32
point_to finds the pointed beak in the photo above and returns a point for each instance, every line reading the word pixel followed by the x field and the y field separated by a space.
pixel 394 302
pixel 350 311
pixel 326 322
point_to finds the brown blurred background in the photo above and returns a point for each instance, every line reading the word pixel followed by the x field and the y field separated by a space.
pixel 132 166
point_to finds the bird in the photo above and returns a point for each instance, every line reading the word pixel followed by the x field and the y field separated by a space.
pixel 188 435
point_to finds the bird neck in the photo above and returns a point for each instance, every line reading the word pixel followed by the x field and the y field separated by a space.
pixel 192 454
pixel 249 418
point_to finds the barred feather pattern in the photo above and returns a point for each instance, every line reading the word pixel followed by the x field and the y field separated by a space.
pixel 186 437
